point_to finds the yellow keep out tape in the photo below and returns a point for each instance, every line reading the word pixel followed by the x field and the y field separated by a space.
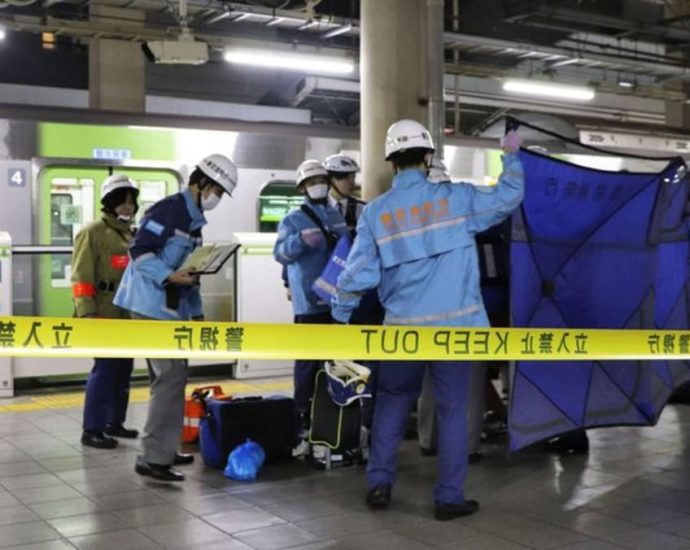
pixel 69 337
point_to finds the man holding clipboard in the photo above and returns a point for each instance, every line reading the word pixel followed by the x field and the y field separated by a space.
pixel 158 284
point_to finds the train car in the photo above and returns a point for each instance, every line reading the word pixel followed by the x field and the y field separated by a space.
pixel 53 172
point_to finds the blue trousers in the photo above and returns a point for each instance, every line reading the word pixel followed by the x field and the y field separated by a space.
pixel 399 386
pixel 305 370
pixel 107 393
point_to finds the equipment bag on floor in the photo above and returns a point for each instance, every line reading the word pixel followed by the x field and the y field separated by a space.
pixel 335 433
pixel 195 409
pixel 268 421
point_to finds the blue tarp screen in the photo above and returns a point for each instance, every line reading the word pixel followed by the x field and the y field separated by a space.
pixel 596 249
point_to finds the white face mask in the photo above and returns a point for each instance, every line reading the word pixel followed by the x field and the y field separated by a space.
pixel 123 218
pixel 318 191
pixel 210 202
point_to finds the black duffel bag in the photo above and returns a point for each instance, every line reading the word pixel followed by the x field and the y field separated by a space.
pixel 269 421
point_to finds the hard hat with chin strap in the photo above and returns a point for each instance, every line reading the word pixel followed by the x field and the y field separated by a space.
pixel 310 169
pixel 407 134
pixel 117 181
pixel 341 164
pixel 222 170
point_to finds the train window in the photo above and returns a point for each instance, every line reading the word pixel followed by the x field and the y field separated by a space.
pixel 62 212
pixel 276 199
pixel 150 192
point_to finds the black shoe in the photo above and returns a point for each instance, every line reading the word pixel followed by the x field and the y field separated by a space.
pixel 121 431
pixel 572 443
pixel 426 451
pixel 98 440
pixel 157 471
pixel 183 458
pixel 445 512
pixel 379 497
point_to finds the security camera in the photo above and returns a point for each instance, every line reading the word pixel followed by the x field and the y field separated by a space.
pixel 183 51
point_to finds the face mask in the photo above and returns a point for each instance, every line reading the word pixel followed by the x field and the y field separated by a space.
pixel 318 191
pixel 210 202
pixel 124 218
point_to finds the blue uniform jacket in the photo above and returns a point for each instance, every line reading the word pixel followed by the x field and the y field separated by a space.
pixel 305 264
pixel 416 244
pixel 169 232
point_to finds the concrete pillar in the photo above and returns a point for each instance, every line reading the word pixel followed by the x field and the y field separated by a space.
pixel 677 112
pixel 435 71
pixel 393 77
pixel 117 76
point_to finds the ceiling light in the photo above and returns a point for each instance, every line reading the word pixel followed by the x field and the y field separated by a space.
pixel 338 31
pixel 626 84
pixel 291 61
pixel 273 21
pixel 3 33
pixel 547 89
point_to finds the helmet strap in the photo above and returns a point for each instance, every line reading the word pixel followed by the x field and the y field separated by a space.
pixel 334 186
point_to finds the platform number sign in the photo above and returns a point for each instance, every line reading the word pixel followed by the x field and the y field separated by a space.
pixel 16 177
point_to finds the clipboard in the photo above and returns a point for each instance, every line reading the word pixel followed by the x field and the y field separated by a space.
pixel 208 259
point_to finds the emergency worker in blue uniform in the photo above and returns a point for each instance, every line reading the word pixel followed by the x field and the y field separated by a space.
pixel 341 178
pixel 415 243
pixel 154 287
pixel 342 170
pixel 306 238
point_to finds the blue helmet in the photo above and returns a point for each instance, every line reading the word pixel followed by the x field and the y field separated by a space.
pixel 347 381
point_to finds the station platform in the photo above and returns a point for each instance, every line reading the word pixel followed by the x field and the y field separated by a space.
pixel 631 491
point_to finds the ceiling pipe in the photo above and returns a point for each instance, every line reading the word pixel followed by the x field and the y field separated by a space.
pixel 435 62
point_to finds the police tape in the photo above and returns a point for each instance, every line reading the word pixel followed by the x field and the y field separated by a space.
pixel 69 337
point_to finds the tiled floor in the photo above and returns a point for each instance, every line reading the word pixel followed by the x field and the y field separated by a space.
pixel 632 491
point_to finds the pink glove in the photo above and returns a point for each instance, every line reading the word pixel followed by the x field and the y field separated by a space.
pixel 311 238
pixel 511 141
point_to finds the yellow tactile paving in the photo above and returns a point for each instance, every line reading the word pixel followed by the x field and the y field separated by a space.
pixel 141 394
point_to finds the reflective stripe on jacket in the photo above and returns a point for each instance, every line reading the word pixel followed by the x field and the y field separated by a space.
pixel 416 244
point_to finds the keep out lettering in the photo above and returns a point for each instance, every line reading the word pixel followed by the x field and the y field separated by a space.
pixel 406 342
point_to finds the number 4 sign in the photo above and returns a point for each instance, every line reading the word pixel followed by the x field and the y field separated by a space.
pixel 16 177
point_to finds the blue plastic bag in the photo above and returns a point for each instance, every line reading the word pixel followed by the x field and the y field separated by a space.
pixel 245 461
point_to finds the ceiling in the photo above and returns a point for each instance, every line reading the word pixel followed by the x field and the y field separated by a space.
pixel 642 44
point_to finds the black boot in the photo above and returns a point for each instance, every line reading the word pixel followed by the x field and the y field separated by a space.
pixel 121 431
pixel 379 497
pixel 98 440
pixel 445 512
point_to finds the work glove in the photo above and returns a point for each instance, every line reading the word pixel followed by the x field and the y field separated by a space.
pixel 312 239
pixel 511 142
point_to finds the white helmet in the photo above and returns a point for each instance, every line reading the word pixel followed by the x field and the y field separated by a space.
pixel 309 169
pixel 222 170
pixel 438 172
pixel 341 164
pixel 117 181
pixel 407 134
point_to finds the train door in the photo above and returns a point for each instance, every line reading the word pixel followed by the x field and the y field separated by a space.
pixel 69 198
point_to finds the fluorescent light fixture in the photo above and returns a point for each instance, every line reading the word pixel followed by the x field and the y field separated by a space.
pixel 290 61
pixel 338 31
pixel 625 84
pixel 273 21
pixel 547 89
